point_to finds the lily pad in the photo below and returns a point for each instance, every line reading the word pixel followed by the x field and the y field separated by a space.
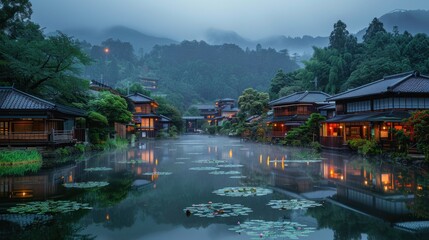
pixel 203 168
pixel 158 173
pixel 195 153
pixel 182 158
pixel 230 165
pixel 293 204
pixel 48 206
pixel 85 184
pixel 98 169
pixel 260 229
pixel 210 161
pixel 238 176
pixel 225 172
pixel 179 163
pixel 243 191
pixel 211 210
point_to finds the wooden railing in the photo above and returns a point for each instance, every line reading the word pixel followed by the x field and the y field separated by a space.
pixel 278 134
pixel 56 136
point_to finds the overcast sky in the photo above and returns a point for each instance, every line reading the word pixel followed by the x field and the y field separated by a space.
pixel 189 19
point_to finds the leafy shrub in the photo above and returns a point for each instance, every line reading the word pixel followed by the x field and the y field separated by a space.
pixel 364 146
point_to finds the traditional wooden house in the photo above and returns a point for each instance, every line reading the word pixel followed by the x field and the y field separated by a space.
pixel 374 110
pixel 26 120
pixel 207 111
pixel 294 110
pixel 145 117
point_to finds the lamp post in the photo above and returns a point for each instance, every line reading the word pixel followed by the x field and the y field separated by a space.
pixel 106 51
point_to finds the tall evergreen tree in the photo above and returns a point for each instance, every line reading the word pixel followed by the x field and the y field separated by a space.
pixel 338 37
pixel 374 27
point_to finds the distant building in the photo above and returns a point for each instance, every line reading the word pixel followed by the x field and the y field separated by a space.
pixel 147 121
pixel 375 110
pixel 293 110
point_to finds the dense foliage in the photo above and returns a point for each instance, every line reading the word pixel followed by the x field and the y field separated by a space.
pixel 419 120
pixel 306 134
pixel 197 72
pixel 346 63
pixel 45 66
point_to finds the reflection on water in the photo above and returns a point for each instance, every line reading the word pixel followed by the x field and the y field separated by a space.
pixel 148 191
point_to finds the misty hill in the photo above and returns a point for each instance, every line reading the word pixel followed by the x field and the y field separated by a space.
pixel 300 45
pixel 413 21
pixel 138 39
pixel 196 71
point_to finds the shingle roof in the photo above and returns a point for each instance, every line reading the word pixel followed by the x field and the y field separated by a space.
pixel 301 97
pixel 408 82
pixel 13 99
pixel 140 98
pixel 392 116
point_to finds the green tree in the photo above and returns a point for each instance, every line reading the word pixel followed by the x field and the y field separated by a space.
pixel 277 83
pixel 42 67
pixel 170 111
pixel 13 14
pixel 338 37
pixel 419 120
pixel 373 29
pixel 113 107
pixel 252 102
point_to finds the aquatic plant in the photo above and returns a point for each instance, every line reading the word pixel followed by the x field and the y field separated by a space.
pixel 292 204
pixel 85 184
pixel 260 229
pixel 203 168
pixel 238 176
pixel 210 161
pixel 48 206
pixel 243 191
pixel 225 172
pixel 211 210
pixel 158 173
pixel 230 165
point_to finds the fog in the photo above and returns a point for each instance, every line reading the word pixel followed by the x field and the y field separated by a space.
pixel 190 19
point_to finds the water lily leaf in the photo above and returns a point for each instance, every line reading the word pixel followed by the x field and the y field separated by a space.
pixel 230 165
pixel 272 229
pixel 204 168
pixel 85 184
pixel 48 206
pixel 238 176
pixel 225 172
pixel 210 161
pixel 243 191
pixel 211 210
pixel 292 204
pixel 158 173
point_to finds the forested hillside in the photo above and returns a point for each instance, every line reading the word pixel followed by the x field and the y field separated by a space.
pixel 346 64
pixel 189 72
pixel 195 71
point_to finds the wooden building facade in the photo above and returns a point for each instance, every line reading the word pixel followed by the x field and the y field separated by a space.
pixel 293 110
pixel 26 120
pixel 375 110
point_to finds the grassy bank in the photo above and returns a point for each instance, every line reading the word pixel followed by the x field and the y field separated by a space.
pixel 18 162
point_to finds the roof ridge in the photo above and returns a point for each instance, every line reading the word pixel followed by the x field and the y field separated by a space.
pixel 389 88
pixel 304 94
pixel 399 74
pixel 53 105
pixel 356 88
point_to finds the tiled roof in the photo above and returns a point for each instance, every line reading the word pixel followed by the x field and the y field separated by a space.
pixel 301 97
pixel 392 116
pixel 140 98
pixel 13 99
pixel 408 82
